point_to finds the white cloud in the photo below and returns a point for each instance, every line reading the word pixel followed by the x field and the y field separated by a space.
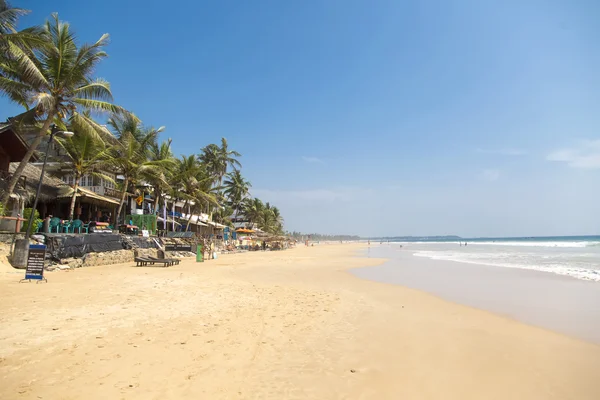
pixel 585 155
pixel 312 160
pixel 503 152
pixel 490 175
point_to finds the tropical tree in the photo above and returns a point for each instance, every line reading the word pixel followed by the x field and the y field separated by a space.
pixel 129 156
pixel 57 81
pixel 223 214
pixel 219 159
pixel 86 155
pixel 207 196
pixel 193 184
pixel 278 216
pixel 236 189
pixel 252 209
pixel 268 222
pixel 159 178
pixel 185 178
pixel 263 215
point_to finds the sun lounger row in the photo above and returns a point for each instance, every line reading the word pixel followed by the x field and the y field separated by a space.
pixel 145 261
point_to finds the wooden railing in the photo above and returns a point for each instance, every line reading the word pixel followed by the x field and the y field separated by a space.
pixel 17 223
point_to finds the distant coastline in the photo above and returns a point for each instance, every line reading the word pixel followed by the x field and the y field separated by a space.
pixel 451 238
pixel 415 238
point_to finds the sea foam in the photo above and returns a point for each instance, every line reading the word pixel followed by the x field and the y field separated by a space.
pixel 580 266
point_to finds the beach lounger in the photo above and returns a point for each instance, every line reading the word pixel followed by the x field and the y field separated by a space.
pixel 170 260
pixel 142 261
pixel 145 261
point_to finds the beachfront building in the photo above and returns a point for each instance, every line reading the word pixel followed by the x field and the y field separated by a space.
pixel 94 199
pixel 97 199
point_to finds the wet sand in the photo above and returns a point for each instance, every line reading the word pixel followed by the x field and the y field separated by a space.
pixel 274 325
pixel 556 302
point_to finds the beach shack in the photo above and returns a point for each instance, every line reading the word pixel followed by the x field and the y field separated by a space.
pixel 12 150
pixel 24 194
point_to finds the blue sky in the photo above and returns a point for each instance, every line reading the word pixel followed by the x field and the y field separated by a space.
pixel 468 117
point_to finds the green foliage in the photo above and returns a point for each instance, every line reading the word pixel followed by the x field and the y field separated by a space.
pixel 2 211
pixel 48 72
pixel 263 215
pixel 36 219
pixel 56 79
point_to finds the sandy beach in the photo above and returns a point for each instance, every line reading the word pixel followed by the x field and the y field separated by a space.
pixel 552 301
pixel 271 325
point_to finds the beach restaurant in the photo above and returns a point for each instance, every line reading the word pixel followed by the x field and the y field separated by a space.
pixel 55 199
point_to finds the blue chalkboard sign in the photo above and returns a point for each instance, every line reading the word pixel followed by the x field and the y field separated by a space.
pixel 35 262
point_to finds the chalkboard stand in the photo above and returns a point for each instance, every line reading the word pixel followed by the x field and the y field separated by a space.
pixel 35 264
pixel 38 280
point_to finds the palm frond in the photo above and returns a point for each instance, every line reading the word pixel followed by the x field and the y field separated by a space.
pixel 16 91
pixel 29 71
pixel 97 89
pixel 90 54
pixel 99 106
pixel 9 17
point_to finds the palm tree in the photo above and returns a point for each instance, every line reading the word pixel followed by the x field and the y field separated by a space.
pixel 86 154
pixel 193 184
pixel 160 180
pixel 277 215
pixel 223 215
pixel 129 156
pixel 267 221
pixel 219 159
pixel 253 209
pixel 209 157
pixel 56 80
pixel 236 189
pixel 185 176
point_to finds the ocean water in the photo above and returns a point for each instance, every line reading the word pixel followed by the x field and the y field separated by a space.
pixel 503 279
pixel 574 256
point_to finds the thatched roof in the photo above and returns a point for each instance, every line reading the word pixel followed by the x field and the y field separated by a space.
pixel 66 191
pixel 31 177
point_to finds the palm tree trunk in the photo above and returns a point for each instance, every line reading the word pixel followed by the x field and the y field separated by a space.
pixel 237 211
pixel 75 187
pixel 125 184
pixel 156 197
pixel 32 147
pixel 187 226
pixel 184 206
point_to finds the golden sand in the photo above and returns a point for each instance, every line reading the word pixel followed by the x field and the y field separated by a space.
pixel 275 325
